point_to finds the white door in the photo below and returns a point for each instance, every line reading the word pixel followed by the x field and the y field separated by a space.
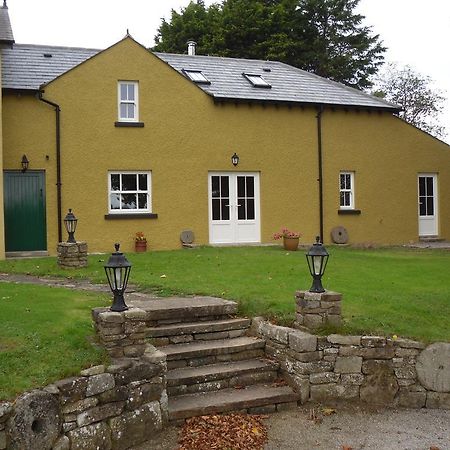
pixel 234 215
pixel 428 204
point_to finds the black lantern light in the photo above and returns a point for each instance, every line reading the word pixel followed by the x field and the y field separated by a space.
pixel 70 222
pixel 235 159
pixel 24 163
pixel 118 270
pixel 317 258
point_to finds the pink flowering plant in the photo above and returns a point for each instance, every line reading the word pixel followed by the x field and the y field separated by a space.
pixel 286 233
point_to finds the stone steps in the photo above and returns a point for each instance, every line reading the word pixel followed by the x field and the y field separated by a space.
pixel 260 398
pixel 198 353
pixel 220 376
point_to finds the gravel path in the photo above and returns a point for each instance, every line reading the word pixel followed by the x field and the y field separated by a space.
pixel 351 426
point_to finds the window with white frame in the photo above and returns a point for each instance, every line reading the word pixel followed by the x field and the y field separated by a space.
pixel 128 101
pixel 129 192
pixel 347 190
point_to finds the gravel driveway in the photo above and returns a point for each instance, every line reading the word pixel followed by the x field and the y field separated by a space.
pixel 353 426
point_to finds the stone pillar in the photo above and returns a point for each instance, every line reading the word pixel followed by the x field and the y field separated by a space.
pixel 315 310
pixel 72 255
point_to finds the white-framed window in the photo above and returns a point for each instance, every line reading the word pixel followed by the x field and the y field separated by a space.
pixel 128 101
pixel 257 80
pixel 197 76
pixel 347 190
pixel 129 192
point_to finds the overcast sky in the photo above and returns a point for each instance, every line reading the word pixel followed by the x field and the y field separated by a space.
pixel 416 32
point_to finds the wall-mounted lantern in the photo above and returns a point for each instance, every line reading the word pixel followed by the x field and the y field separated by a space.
pixel 235 159
pixel 70 222
pixel 317 258
pixel 24 163
pixel 117 271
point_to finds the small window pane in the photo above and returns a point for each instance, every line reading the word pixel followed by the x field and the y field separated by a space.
pixel 241 209
pixel 429 186
pixel 250 209
pixel 241 186
pixel 430 206
pixel 123 91
pixel 130 92
pixel 422 186
pixel 115 182
pixel 342 181
pixel 422 206
pixel 129 201
pixel 225 209
pixel 114 201
pixel 130 110
pixel 142 181
pixel 129 182
pixel 215 187
pixel 250 186
pixel 216 209
pixel 224 181
pixel 123 111
pixel 142 201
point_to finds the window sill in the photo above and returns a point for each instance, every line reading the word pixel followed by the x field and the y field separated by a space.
pixel 129 124
pixel 349 212
pixel 131 216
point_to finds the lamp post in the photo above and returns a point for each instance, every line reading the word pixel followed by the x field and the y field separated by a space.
pixel 235 159
pixel 70 222
pixel 317 258
pixel 117 271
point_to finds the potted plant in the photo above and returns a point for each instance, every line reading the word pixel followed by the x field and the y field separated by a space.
pixel 140 242
pixel 290 238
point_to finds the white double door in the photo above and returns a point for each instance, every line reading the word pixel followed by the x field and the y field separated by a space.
pixel 234 208
pixel 428 204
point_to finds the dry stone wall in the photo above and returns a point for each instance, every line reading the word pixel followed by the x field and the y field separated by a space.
pixel 372 369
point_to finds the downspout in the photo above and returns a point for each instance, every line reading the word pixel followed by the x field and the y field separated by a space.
pixel 319 158
pixel 58 161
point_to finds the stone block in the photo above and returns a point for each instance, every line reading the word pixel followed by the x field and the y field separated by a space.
pixel 139 371
pixel 111 317
pixel 267 409
pixel 404 352
pixel 275 332
pixel 155 357
pixel 119 365
pixel 134 351
pixel 330 296
pixel 344 340
pixel 135 314
pixel 300 384
pixel 326 392
pixel 306 357
pixel 96 436
pixel 350 350
pixel 438 400
pixel 95 370
pixel 183 339
pixel 134 326
pixel 378 352
pixel 407 399
pixel 348 364
pixel 100 413
pixel 79 405
pixel 372 365
pixel 69 426
pixel 145 393
pixel 117 394
pixel 289 406
pixel 135 427
pixel 334 320
pixel 63 443
pixel 405 372
pixel 324 378
pixel 99 383
pixel 313 321
pixel 72 389
pixel 408 343
pixel 302 342
pixel 307 368
pixel 380 385
pixel 373 341
pixel 352 378
pixel 5 411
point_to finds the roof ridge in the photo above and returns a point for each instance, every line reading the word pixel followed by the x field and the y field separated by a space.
pixel 217 57
pixel 62 47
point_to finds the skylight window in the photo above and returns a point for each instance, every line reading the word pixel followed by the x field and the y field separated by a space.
pixel 196 76
pixel 257 80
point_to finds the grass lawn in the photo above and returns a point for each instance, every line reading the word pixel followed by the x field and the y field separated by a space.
pixel 388 291
pixel 45 335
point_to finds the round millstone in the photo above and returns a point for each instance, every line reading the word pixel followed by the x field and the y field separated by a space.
pixel 339 235
pixel 433 367
pixel 36 421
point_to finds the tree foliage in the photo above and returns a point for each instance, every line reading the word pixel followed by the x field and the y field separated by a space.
pixel 421 103
pixel 325 37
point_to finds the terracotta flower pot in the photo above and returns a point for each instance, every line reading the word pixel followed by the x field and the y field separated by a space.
pixel 290 244
pixel 140 246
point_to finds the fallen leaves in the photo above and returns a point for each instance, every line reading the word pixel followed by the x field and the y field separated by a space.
pixel 227 432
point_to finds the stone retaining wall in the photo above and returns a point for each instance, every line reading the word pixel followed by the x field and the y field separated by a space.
pixel 111 407
pixel 372 369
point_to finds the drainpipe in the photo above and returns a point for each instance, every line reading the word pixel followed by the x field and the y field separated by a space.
pixel 319 158
pixel 58 161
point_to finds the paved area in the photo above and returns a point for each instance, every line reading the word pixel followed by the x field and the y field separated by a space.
pixel 350 426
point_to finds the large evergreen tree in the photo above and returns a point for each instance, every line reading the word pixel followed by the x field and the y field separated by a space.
pixel 322 36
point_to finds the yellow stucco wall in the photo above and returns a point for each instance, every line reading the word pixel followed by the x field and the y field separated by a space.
pixel 186 135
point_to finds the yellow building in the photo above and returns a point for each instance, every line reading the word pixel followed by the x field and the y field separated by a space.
pixel 133 141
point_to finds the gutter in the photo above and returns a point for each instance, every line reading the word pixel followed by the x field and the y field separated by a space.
pixel 58 160
pixel 319 158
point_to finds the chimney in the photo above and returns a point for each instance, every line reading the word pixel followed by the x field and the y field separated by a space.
pixel 191 47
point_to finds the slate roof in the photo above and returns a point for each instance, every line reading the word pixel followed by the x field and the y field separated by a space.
pixel 6 33
pixel 27 67
pixel 288 84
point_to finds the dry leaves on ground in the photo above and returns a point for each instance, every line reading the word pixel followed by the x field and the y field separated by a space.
pixel 227 432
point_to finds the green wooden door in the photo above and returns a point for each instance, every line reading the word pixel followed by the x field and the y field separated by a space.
pixel 25 226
